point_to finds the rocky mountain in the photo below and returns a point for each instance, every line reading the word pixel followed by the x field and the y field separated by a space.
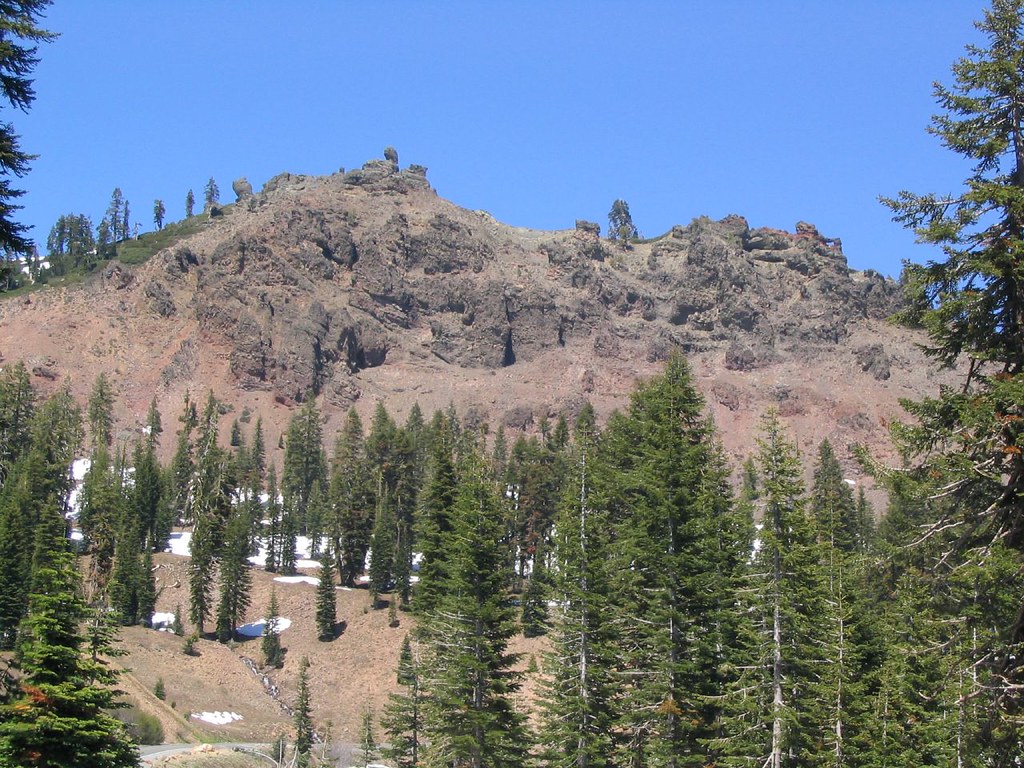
pixel 367 285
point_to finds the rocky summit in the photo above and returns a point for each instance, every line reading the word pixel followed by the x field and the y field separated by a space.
pixel 366 286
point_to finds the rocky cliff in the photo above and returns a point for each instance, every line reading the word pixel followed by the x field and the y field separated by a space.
pixel 367 285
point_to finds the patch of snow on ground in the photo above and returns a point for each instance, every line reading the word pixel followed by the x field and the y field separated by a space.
pixel 217 718
pixel 255 628
pixel 298 580
pixel 162 621
pixel 180 543
pixel 79 468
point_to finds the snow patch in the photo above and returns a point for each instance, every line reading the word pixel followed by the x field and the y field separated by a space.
pixel 180 543
pixel 162 621
pixel 298 580
pixel 255 628
pixel 216 718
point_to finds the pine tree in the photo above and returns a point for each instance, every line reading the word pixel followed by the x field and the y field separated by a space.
pixel 664 485
pixel 436 502
pixel 620 224
pixel 403 718
pixel 158 213
pixel 367 741
pixel 101 413
pixel 17 404
pixel 235 576
pixel 270 646
pixel 969 302
pixel 472 720
pixel 303 717
pixel 211 193
pixel 272 540
pixel 382 551
pixel 577 703
pixel 351 497
pixel 114 216
pixel 190 204
pixel 58 716
pixel 305 466
pixel 17 61
pixel 778 717
pixel 326 601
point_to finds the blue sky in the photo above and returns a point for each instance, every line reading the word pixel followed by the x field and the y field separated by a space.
pixel 540 112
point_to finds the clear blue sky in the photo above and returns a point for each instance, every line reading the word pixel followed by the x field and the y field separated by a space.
pixel 539 111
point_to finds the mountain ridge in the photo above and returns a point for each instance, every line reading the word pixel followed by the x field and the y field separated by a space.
pixel 366 286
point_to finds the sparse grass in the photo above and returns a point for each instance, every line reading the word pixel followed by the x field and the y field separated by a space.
pixel 214 760
pixel 138 251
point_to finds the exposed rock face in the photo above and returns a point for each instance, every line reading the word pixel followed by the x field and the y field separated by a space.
pixel 366 284
pixel 242 188
pixel 307 295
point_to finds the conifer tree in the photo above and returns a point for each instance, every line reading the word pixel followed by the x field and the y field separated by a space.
pixel 778 718
pixel 678 545
pixel 270 646
pixel 351 497
pixel 305 466
pixel 58 716
pixel 17 62
pixel 101 412
pixel 471 719
pixel 17 404
pixel 235 576
pixel 403 718
pixel 272 540
pixel 326 601
pixel 158 213
pixel 211 193
pixel 971 438
pixel 382 551
pixel 303 717
pixel 126 576
pixel 577 702
pixel 436 502
pixel 367 741
pixel 190 204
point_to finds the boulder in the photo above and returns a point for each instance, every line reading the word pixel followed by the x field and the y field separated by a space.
pixel 242 188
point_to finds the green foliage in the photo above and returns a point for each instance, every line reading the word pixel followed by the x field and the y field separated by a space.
pixel 403 716
pixel 211 193
pixel 270 646
pixel 190 202
pixel 303 717
pixel 326 601
pixel 620 224
pixel 351 521
pixel 968 443
pixel 367 741
pixel 159 210
pixel 143 727
pixel 22 36
pixel 138 250
pixel 59 707
pixel 471 718
pixel 158 689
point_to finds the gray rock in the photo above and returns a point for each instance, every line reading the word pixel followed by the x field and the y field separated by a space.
pixel 242 188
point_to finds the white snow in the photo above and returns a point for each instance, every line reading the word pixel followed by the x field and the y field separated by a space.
pixel 162 622
pixel 79 468
pixel 180 543
pixel 255 628
pixel 217 718
pixel 302 554
pixel 298 580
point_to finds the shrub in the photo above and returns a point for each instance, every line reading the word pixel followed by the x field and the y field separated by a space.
pixel 158 689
